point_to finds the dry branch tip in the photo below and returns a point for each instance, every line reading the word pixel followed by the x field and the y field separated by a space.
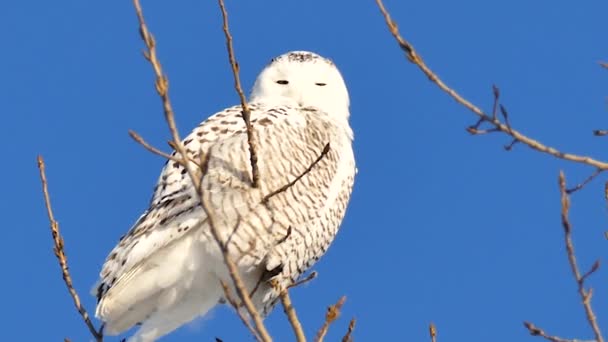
pixel 333 312
pixel 58 249
pixel 351 327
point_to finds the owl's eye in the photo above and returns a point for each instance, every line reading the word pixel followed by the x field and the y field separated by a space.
pixel 283 82
pixel 321 84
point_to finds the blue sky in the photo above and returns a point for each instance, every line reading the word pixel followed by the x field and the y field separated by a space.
pixel 442 226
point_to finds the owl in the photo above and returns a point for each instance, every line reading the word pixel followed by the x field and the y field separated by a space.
pixel 168 268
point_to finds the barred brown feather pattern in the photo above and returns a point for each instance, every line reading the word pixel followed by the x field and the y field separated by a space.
pixel 289 231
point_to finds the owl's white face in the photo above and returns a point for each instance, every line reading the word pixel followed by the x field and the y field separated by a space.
pixel 304 78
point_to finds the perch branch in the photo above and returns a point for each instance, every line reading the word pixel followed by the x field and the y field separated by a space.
pixel 246 113
pixel 162 86
pixel 332 314
pixel 60 254
pixel 413 56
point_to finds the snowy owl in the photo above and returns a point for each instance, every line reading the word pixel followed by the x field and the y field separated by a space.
pixel 167 269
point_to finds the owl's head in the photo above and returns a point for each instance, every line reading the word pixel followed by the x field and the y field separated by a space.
pixel 304 78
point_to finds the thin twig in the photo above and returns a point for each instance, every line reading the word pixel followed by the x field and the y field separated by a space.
pixel 415 58
pixel 496 93
pixel 290 184
pixel 60 254
pixel 604 64
pixel 510 145
pixel 536 331
pixel 246 113
pixel 580 280
pixel 505 115
pixel 585 182
pixel 303 281
pixel 433 332
pixel 162 86
pixel 153 149
pixel 333 312
pixel 349 334
pixel 140 140
pixel 475 131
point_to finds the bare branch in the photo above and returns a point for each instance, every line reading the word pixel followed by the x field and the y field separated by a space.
pixel 535 331
pixel 153 149
pixel 162 86
pixel 246 114
pixel 415 58
pixel 61 257
pixel 135 136
pixel 333 312
pixel 580 280
pixel 349 334
pixel 604 65
pixel 308 278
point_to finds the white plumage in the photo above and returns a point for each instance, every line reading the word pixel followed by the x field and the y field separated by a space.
pixel 166 270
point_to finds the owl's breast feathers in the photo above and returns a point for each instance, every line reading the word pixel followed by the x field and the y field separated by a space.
pixel 288 230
